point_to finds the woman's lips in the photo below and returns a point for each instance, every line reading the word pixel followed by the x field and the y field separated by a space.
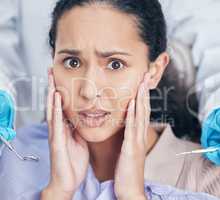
pixel 93 120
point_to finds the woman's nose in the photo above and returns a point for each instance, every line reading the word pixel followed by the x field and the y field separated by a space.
pixel 89 89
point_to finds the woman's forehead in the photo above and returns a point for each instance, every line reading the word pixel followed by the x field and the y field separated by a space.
pixel 84 25
pixel 104 31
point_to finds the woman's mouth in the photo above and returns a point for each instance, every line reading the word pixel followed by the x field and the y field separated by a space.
pixel 93 122
pixel 93 119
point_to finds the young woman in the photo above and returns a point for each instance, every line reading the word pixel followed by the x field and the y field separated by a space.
pixel 107 55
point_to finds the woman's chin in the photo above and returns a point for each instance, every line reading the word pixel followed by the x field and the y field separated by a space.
pixel 94 134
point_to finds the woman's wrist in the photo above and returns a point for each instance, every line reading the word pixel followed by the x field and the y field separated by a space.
pixel 56 194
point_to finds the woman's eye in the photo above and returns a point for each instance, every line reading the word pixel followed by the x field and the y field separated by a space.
pixel 115 65
pixel 71 63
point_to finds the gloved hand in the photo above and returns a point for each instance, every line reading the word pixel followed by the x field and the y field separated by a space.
pixel 211 136
pixel 6 116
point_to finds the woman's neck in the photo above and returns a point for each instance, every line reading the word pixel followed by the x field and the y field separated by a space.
pixel 104 155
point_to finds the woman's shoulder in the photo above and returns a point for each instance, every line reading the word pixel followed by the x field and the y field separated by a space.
pixel 198 174
pixel 187 145
pixel 178 145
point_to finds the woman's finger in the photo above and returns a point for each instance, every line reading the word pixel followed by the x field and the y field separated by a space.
pixel 59 150
pixel 68 130
pixel 81 141
pixel 129 127
pixel 142 110
pixel 140 114
pixel 50 102
pixel 58 125
pixel 147 107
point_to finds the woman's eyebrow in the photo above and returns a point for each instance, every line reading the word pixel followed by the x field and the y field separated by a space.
pixel 76 52
pixel 111 53
pixel 70 51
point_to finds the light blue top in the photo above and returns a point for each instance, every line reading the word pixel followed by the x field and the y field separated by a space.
pixel 25 180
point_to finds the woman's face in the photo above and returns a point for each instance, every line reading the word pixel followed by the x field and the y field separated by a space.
pixel 98 51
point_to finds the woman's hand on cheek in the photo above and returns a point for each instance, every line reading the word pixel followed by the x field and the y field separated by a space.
pixel 69 156
pixel 129 174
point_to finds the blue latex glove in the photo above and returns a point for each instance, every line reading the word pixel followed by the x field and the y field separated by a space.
pixel 6 116
pixel 211 136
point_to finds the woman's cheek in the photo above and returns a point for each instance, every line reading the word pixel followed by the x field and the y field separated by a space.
pixel 66 100
pixel 126 95
pixel 61 84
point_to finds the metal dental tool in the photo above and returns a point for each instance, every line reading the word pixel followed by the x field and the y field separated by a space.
pixel 11 148
pixel 7 133
pixel 198 151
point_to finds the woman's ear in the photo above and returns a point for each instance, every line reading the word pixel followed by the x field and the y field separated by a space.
pixel 157 68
